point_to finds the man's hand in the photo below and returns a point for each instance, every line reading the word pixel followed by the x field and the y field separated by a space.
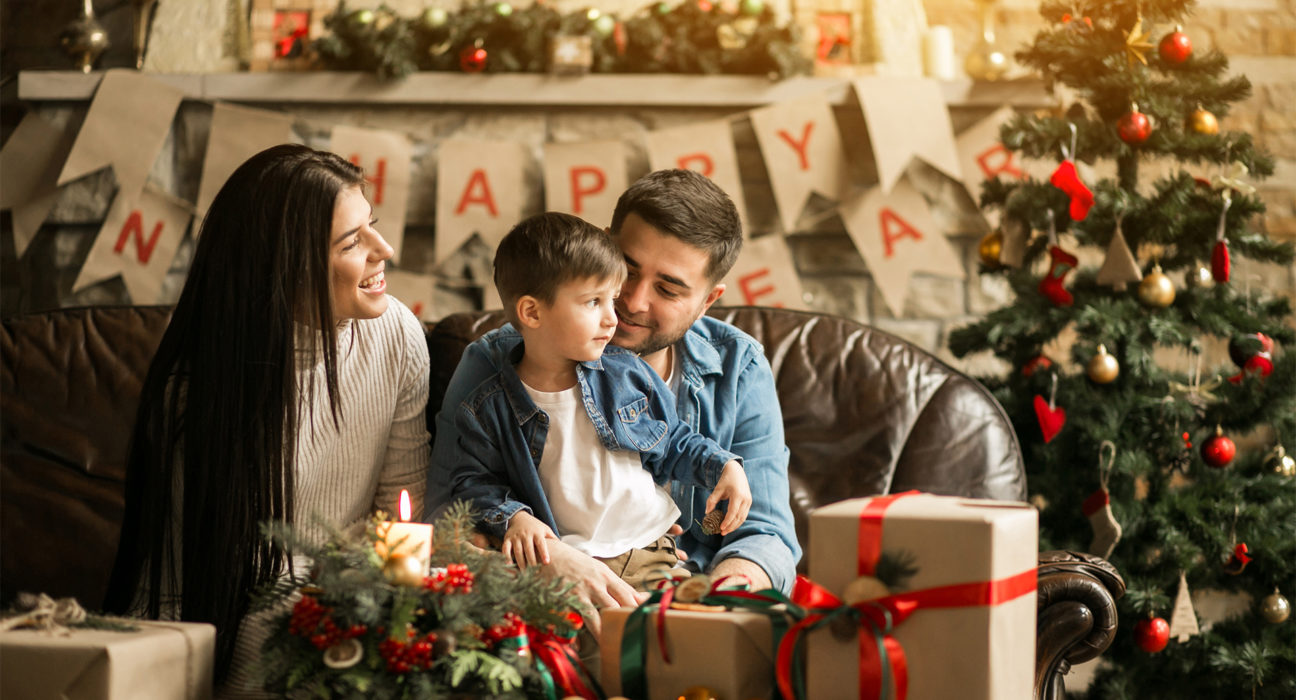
pixel 734 566
pixel 524 542
pixel 732 487
pixel 595 584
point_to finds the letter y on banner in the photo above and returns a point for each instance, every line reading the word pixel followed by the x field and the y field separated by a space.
pixel 385 157
pixel 803 153
pixel 707 148
pixel 585 179
pixel 138 240
pixel 479 190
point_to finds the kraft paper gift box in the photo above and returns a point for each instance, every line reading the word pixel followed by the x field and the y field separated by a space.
pixel 731 652
pixel 970 652
pixel 159 661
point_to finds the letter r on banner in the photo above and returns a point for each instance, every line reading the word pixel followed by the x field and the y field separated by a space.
pixel 577 192
pixel 706 165
pixel 799 146
pixel 750 292
pixel 893 229
pixel 476 181
pixel 135 224
pixel 1005 164
pixel 375 178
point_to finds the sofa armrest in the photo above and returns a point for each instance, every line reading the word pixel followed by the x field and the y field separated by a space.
pixel 1076 615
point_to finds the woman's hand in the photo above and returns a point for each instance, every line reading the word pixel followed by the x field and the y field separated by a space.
pixel 732 487
pixel 524 542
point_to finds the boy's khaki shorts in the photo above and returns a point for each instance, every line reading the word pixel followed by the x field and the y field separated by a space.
pixel 637 566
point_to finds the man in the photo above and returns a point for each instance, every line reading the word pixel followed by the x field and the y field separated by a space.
pixel 680 234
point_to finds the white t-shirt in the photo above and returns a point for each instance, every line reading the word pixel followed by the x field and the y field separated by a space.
pixel 604 502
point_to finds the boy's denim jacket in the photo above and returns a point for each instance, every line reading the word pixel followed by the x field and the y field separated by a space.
pixel 502 436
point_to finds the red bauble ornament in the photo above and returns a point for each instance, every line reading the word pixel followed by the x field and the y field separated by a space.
pixel 473 58
pixel 705 5
pixel 1036 364
pixel 1175 47
pixel 1135 127
pixel 1218 450
pixel 1152 634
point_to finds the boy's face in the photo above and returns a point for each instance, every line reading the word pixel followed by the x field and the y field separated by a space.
pixel 580 321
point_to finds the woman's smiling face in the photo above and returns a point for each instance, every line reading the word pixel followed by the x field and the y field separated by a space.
pixel 357 258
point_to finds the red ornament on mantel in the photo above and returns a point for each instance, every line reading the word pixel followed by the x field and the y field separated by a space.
pixel 1134 128
pixel 473 58
pixel 1152 634
pixel 1175 47
pixel 1218 450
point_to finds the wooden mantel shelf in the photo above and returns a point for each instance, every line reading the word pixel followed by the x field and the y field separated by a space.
pixel 515 89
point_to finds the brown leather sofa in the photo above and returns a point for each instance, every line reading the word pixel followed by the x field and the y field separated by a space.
pixel 864 413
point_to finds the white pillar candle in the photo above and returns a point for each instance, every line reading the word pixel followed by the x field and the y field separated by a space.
pixel 938 53
pixel 404 537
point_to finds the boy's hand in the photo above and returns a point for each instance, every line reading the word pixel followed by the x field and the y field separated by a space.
pixel 524 542
pixel 732 487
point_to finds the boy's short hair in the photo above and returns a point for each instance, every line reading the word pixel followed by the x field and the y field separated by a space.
pixel 690 207
pixel 547 250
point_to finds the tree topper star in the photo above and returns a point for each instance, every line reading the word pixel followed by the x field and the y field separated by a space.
pixel 1137 42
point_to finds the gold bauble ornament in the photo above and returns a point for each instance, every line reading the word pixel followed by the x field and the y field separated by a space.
pixel 1103 367
pixel 698 692
pixel 986 62
pixel 1156 289
pixel 990 248
pixel 1201 121
pixel 403 570
pixel 1275 608
pixel 1200 277
pixel 1282 463
pixel 864 588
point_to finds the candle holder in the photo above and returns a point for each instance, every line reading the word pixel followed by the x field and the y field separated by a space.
pixel 143 20
pixel 85 39
pixel 986 61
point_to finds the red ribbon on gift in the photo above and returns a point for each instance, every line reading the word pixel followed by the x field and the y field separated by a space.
pixel 556 653
pixel 882 615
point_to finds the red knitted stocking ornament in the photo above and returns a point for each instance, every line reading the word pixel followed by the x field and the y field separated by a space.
pixel 1051 285
pixel 1066 178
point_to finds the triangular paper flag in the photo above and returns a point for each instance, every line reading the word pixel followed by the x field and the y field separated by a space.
pixel 479 190
pixel 1120 268
pixel 138 240
pixel 907 117
pixel 125 127
pixel 29 169
pixel 764 276
pixel 705 147
pixel 1016 236
pixel 585 179
pixel 1183 621
pixel 385 157
pixel 415 291
pixel 897 236
pixel 237 133
pixel 803 153
pixel 983 156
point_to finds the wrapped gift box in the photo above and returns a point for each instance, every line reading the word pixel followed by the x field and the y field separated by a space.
pixel 160 660
pixel 969 652
pixel 730 652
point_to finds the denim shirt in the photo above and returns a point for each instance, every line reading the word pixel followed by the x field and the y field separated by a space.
pixel 501 434
pixel 726 392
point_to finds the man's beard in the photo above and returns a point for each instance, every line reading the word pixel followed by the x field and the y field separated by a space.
pixel 654 342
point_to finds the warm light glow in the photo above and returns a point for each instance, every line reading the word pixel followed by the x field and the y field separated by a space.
pixel 404 506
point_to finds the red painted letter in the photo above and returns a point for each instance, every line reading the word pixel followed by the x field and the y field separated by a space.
pixel 1005 162
pixel 477 179
pixel 578 193
pixel 376 178
pixel 749 293
pixel 418 309
pixel 704 160
pixel 799 146
pixel 143 249
pixel 894 228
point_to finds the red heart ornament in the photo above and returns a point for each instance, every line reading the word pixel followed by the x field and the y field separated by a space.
pixel 1051 420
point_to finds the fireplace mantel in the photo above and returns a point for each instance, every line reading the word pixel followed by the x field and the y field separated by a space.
pixel 516 89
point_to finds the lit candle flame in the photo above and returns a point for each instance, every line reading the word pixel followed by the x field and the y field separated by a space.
pixel 404 506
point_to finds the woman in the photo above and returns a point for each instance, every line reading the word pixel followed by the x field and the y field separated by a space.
pixel 287 386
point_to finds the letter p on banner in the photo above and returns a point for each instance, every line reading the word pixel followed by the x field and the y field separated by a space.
pixel 584 179
pixel 138 240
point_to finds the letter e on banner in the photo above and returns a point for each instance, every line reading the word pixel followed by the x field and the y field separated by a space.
pixel 751 293
pixel 477 180
pixel 135 224
pixel 597 182
pixel 705 164
pixel 799 146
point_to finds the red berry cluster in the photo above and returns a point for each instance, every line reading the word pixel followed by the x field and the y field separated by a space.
pixel 314 622
pixel 405 656
pixel 456 578
pixel 510 627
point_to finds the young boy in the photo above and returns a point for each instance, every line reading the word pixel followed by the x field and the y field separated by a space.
pixel 575 438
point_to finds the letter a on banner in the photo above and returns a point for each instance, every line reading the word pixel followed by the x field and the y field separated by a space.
pixel 237 133
pixel 138 240
pixel 803 153
pixel 584 179
pixel 479 190
pixel 764 276
pixel 707 148
pixel 385 157
pixel 897 236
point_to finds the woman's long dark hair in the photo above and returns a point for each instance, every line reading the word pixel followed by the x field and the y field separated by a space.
pixel 219 410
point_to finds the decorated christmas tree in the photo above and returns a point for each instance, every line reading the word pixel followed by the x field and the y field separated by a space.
pixel 1151 444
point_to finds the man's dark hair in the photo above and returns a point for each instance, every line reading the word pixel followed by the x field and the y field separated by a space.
pixel 545 251
pixel 689 206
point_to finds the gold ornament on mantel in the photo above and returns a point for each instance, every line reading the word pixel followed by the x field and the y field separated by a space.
pixel 986 61
pixel 1156 290
pixel 1103 367
pixel 85 39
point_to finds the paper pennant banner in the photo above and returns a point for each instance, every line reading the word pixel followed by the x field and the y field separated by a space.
pixel 415 291
pixel 29 169
pixel 897 236
pixel 706 147
pixel 125 127
pixel 585 179
pixel 764 276
pixel 237 133
pixel 803 153
pixel 982 155
pixel 138 240
pixel 479 190
pixel 907 117
pixel 385 157
pixel 1016 236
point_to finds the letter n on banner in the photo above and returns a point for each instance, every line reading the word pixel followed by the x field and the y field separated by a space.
pixel 138 241
pixel 585 179
pixel 803 153
pixel 706 147
pixel 897 236
pixel 385 157
pixel 479 190
pixel 764 276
